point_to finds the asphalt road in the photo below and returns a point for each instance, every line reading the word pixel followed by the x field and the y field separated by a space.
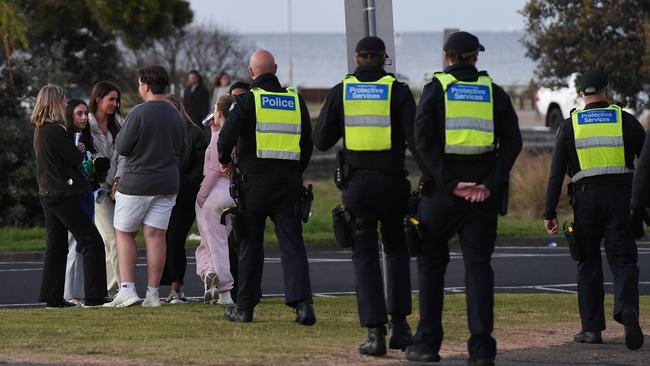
pixel 519 267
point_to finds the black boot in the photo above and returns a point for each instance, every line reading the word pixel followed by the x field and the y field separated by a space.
pixel 305 313
pixel 633 332
pixel 588 337
pixel 376 343
pixel 418 354
pixel 238 316
pixel 400 335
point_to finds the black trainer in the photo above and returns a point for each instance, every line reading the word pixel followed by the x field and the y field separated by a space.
pixel 60 304
pixel 94 303
pixel 633 332
pixel 375 345
pixel 238 316
pixel 588 337
pixel 305 313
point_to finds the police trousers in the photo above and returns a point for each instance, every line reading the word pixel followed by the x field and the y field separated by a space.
pixel 603 212
pixel 476 226
pixel 278 201
pixel 373 198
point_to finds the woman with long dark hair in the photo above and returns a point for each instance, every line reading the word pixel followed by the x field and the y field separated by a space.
pixel 183 214
pixel 76 114
pixel 105 121
pixel 61 186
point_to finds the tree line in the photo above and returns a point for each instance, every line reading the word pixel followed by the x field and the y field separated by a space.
pixel 76 43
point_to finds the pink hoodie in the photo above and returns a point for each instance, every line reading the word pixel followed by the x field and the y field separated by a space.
pixel 211 167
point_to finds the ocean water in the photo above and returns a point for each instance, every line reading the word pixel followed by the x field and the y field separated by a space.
pixel 319 60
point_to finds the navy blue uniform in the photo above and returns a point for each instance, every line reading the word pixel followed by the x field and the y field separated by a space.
pixel 376 192
pixel 601 210
pixel 445 215
pixel 272 188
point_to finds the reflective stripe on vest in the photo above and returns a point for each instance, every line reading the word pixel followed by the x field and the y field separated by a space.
pixel 469 122
pixel 278 127
pixel 598 137
pixel 366 107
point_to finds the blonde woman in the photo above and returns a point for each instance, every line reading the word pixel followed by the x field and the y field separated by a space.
pixel 212 256
pixel 61 187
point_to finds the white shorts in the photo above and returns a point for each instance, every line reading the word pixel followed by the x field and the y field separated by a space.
pixel 153 211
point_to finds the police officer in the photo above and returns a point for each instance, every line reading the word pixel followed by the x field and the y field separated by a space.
pixel 271 128
pixel 373 113
pixel 467 134
pixel 640 197
pixel 596 147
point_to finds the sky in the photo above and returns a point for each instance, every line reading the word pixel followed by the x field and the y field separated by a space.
pixel 328 16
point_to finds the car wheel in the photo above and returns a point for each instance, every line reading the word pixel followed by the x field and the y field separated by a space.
pixel 554 118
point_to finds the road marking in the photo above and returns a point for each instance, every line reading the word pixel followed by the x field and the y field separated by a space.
pixel 453 290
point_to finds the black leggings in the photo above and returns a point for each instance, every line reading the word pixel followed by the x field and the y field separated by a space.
pixel 180 224
pixel 63 214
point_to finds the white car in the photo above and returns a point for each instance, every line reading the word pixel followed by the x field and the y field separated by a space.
pixel 555 105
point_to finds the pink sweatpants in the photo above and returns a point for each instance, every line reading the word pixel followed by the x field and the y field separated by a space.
pixel 212 253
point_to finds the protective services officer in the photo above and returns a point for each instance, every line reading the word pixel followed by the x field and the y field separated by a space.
pixel 271 128
pixel 373 113
pixel 640 189
pixel 467 134
pixel 596 147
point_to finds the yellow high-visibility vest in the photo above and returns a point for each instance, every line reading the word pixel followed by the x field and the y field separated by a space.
pixel 278 126
pixel 598 136
pixel 366 108
pixel 469 115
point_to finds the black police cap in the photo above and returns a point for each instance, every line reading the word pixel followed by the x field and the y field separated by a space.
pixel 593 82
pixel 463 42
pixel 371 44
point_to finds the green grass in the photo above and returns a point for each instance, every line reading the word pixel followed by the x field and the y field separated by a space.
pixel 185 334
pixel 317 231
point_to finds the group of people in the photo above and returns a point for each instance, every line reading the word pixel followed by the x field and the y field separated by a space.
pixel 463 134
pixel 96 195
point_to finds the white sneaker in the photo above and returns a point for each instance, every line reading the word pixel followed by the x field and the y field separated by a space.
pixel 225 299
pixel 124 298
pixel 151 300
pixel 77 302
pixel 211 292
pixel 176 297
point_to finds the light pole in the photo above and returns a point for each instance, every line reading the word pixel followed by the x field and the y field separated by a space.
pixel 290 71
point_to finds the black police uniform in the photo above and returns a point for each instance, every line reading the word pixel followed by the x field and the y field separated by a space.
pixel 272 188
pixel 444 215
pixel 376 190
pixel 601 210
pixel 641 183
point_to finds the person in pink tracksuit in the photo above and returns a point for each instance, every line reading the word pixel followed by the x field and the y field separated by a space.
pixel 212 263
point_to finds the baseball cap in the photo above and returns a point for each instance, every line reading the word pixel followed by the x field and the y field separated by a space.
pixel 463 42
pixel 371 44
pixel 593 82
